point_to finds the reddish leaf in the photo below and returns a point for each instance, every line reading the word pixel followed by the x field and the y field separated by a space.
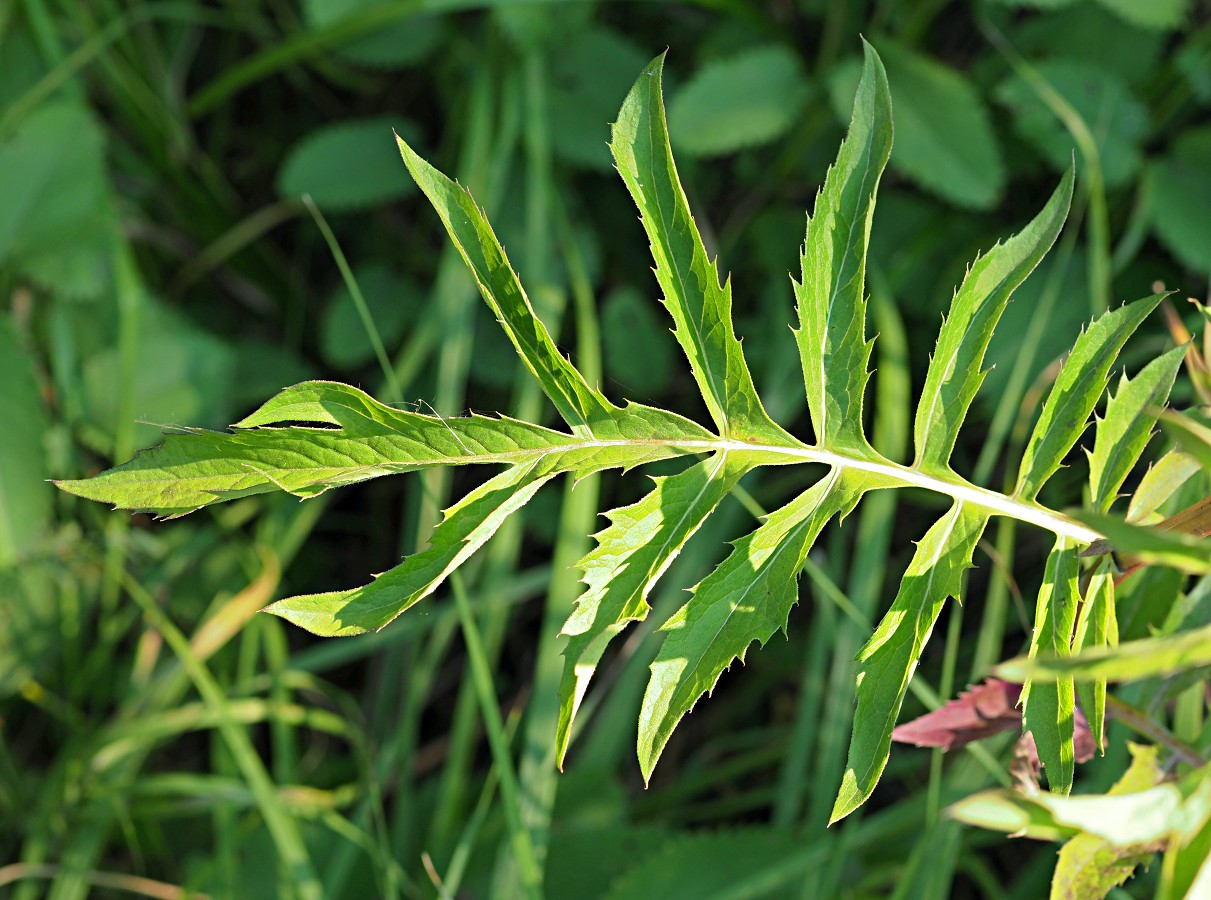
pixel 984 710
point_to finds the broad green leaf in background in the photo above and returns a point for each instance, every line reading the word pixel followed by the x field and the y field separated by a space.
pixel 1180 186
pixel 1158 14
pixel 591 73
pixel 194 377
pixel 638 352
pixel 399 40
pixel 1116 117
pixel 25 495
pixel 391 299
pixel 738 101
pixel 350 165
pixel 932 103
pixel 56 217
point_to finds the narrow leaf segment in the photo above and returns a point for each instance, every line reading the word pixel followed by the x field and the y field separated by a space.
pixel 833 348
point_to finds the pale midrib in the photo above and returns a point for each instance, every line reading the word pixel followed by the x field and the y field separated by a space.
pixel 999 504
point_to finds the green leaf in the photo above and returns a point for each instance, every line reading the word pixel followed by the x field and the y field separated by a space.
pixel 630 556
pixel 590 75
pixel 1160 483
pixel 1097 626
pixel 1049 708
pixel 954 373
pixel 700 307
pixel 1140 815
pixel 465 528
pixel 344 341
pixel 739 101
pixel 1129 661
pixel 52 179
pixel 933 104
pixel 25 497
pixel 890 656
pixel 269 452
pixel 832 341
pixel 1115 116
pixel 746 599
pixel 345 166
pixel 1191 435
pixel 638 352
pixel 578 403
pixel 1125 430
pixel 1147 543
pixel 404 41
pixel 1158 14
pixel 1077 388
pixel 1180 183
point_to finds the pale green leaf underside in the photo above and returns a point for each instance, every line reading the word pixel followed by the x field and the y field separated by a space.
pixel 1144 658
pixel 1135 812
pixel 359 439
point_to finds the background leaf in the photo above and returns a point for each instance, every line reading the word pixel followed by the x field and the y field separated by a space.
pixel 347 166
pixel 750 98
pixel 1180 183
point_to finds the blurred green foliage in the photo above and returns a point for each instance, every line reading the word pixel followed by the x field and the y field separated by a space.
pixel 156 266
